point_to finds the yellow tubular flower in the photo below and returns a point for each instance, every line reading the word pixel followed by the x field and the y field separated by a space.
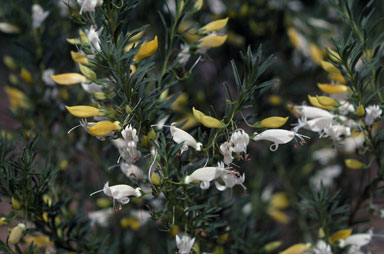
pixel 215 25
pixel 190 35
pixel 326 101
pixel 146 50
pixel 273 122
pixel 79 58
pixel 68 79
pixel 40 241
pixel 314 102
pixel 84 111
pixel 15 203
pixel 328 67
pixel 354 164
pixel 340 235
pixel 332 89
pixel 205 120
pixel 212 41
pixel 103 128
pixel 298 248
pixel 87 72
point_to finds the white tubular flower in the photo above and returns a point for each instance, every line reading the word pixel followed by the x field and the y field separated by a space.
pixel 231 179
pixel 38 15
pixel 372 112
pixel 336 132
pixel 315 125
pixel 180 136
pixel 206 175
pixel 216 6
pixel 322 248
pixel 89 5
pixel 323 156
pixel 132 171
pixel 227 148
pixel 93 38
pixel 346 107
pixel 184 244
pixel 92 87
pixel 310 112
pixel 128 145
pixel 278 137
pixel 100 217
pixel 352 143
pixel 120 192
pixel 356 241
pixel 240 140
pixel 325 176
pixel 47 77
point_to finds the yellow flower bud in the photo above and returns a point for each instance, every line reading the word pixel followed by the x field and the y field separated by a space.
pixel 15 204
pixel 278 215
pixel 146 50
pixel 26 76
pixel 329 67
pixel 279 200
pixel 175 230
pixel 332 89
pixel 132 69
pixel 17 98
pixel 205 120
pixel 273 122
pixel 340 235
pixel 57 220
pixel 274 100
pixel 316 53
pixel 13 79
pixel 45 216
pixel 354 164
pixel 3 221
pixel 293 37
pixel 88 72
pixel 321 233
pixel 314 102
pixel 10 63
pixel 298 248
pixel 271 246
pixel 79 58
pixel 223 238
pixel 334 56
pixel 133 223
pixel 360 111
pixel 218 250
pixel 63 164
pixel 84 111
pixel 47 199
pixel 16 234
pixel 215 25
pixel 100 96
pixel 336 77
pixel 103 202
pixel 69 79
pixel 155 179
pixel 327 101
pixel 212 41
pixel 103 128
pixel 198 5
pixel 190 35
pixel 40 241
